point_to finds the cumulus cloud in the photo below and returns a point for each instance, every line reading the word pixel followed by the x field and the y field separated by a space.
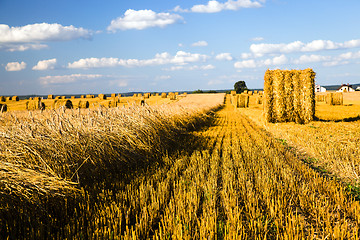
pixel 224 57
pixel 142 19
pixel 298 46
pixel 199 44
pixel 68 78
pixel 181 58
pixel 257 39
pixel 30 36
pixel 163 77
pixel 21 47
pixel 15 66
pixel 45 64
pixel 278 60
pixel 190 68
pixel 215 6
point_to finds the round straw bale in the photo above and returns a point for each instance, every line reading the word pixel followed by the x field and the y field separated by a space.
pixel 15 98
pixel 57 98
pixel 8 98
pixel 66 103
pixel 3 107
pixel 35 105
pixel 72 97
pixel 163 95
pixel 83 104
pixel 63 97
pixel 50 96
pixel 2 99
pixel 82 96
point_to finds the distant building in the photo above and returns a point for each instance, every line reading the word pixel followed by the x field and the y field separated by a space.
pixel 358 88
pixel 345 88
pixel 319 88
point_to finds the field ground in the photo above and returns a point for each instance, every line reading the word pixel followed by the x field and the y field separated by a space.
pixel 93 102
pixel 236 178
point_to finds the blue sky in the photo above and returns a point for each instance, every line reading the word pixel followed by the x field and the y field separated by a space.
pixel 77 47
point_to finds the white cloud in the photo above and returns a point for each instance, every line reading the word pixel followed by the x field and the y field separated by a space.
pixel 45 64
pixel 245 64
pixel 181 58
pixel 68 78
pixel 163 77
pixel 311 58
pixel 298 46
pixel 204 67
pixel 10 47
pixel 30 36
pixel 180 45
pixel 15 66
pixel 199 44
pixel 224 56
pixel 215 6
pixel 257 39
pixel 142 19
pixel 40 32
pixel 278 60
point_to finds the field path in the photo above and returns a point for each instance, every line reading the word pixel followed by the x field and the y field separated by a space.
pixel 241 183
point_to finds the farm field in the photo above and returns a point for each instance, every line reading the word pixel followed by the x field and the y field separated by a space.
pixel 93 102
pixel 186 170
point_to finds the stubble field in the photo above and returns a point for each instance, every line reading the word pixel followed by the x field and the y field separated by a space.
pixel 193 169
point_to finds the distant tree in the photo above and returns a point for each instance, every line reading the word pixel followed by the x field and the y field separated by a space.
pixel 198 91
pixel 212 91
pixel 240 86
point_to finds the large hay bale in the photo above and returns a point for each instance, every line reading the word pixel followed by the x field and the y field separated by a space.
pixel 289 95
pixel 8 98
pixel 66 103
pixel 320 98
pixel 334 98
pixel 15 98
pixel 83 104
pixel 243 100
pixel 3 107
pixel 35 105
pixel 163 95
pixel 112 104
pixel 102 96
pixel 259 99
pixel 2 99
pixel 50 96
pixel 172 96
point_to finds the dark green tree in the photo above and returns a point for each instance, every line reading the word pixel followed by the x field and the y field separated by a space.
pixel 240 86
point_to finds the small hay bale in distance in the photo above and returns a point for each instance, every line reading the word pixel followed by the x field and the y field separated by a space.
pixel 334 98
pixel 83 104
pixel 8 98
pixel 35 105
pixel 72 97
pixel 90 96
pixel 15 98
pixel 57 98
pixel 243 100
pixel 82 96
pixel 112 104
pixel 102 96
pixel 233 93
pixel 258 99
pixel 163 95
pixel 63 97
pixel 172 96
pixel 66 103
pixel 157 94
pixel 256 91
pixel 2 99
pixel 289 95
pixel 250 93
pixel 113 95
pixel 50 96
pixel 3 107
pixel 146 95
pixel 245 91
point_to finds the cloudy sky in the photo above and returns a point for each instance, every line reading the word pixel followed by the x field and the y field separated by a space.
pixel 93 46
